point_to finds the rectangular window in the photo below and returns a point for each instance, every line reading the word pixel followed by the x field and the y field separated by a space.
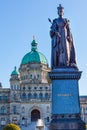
pixel 0 98
pixel 5 98
pixel 86 110
pixel 14 110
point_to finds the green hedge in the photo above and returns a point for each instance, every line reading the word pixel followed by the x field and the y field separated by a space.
pixel 11 127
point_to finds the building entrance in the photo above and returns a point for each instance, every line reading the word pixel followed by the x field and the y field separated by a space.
pixel 35 115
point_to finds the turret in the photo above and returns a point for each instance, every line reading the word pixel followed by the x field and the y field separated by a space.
pixel 15 79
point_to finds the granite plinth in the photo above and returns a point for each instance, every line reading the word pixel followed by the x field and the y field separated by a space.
pixel 65 100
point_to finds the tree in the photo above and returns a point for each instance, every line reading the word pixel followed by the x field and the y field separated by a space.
pixel 11 127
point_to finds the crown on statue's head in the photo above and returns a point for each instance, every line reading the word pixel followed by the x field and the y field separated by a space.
pixel 60 7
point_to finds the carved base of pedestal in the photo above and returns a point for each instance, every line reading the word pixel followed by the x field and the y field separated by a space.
pixel 67 124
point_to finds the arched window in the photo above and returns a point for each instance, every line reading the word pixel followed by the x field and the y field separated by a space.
pixel 86 110
pixel 23 109
pixel 14 109
pixel 29 96
pixel 24 96
pixel 46 88
pixel 14 87
pixel 14 96
pixel 29 88
pixel 3 110
pixel 31 76
pixel 5 98
pixel 47 119
pixel 47 109
pixel 18 87
pixel 35 88
pixel 46 95
pixel 41 95
pixel 2 119
pixel 35 95
pixel 40 88
pixel 24 88
pixel 38 76
pixel 0 98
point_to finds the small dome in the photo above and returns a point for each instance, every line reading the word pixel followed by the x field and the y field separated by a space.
pixel 14 72
pixel 34 56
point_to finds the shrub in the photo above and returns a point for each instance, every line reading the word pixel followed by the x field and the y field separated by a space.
pixel 86 126
pixel 11 127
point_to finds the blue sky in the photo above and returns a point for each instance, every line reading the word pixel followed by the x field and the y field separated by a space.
pixel 21 19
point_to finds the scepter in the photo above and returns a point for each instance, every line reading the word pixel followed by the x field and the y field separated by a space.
pixel 54 29
pixel 49 20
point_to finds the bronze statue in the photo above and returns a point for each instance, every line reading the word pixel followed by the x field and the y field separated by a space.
pixel 63 52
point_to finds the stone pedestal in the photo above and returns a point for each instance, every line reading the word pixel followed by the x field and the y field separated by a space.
pixel 65 100
pixel 67 123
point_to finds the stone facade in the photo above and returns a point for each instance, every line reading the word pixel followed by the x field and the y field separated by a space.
pixel 83 104
pixel 4 105
pixel 29 96
pixel 30 93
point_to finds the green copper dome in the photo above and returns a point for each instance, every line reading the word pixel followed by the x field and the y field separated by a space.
pixel 14 72
pixel 34 56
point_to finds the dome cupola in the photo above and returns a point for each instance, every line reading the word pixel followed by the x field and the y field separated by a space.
pixel 34 56
pixel 14 72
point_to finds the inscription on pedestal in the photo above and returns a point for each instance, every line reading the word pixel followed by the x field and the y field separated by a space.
pixel 65 96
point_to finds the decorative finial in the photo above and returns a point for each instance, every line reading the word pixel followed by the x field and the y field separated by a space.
pixel 15 68
pixel 33 37
pixel 15 72
pixel 34 45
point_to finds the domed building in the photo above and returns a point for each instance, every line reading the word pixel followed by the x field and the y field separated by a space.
pixel 30 89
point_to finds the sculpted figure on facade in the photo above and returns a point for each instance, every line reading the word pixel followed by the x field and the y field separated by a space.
pixel 63 52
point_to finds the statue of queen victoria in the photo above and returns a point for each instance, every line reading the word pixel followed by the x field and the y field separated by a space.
pixel 63 52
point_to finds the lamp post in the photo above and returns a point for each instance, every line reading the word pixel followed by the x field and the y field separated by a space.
pixel 40 124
